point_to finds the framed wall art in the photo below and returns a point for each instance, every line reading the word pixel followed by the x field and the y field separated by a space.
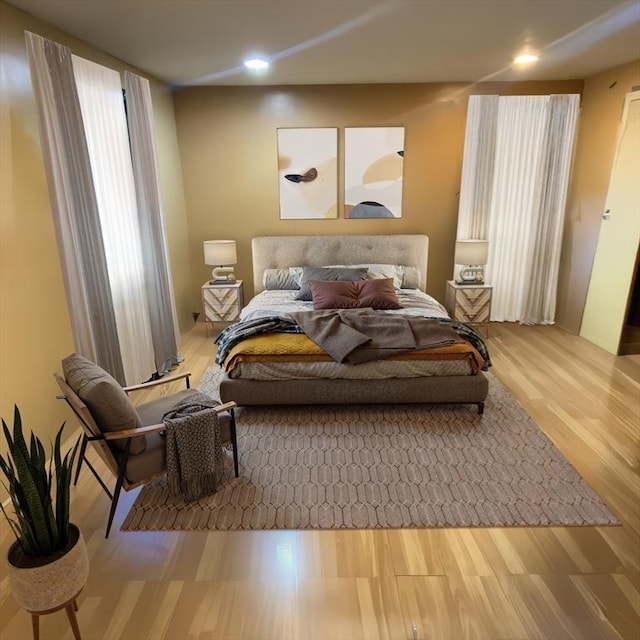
pixel 308 173
pixel 373 167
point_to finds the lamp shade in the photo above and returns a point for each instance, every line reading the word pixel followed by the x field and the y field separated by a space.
pixel 220 252
pixel 471 252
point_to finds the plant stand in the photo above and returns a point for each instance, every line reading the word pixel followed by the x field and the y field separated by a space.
pixel 71 606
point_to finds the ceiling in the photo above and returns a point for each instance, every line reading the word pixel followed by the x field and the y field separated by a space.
pixel 186 42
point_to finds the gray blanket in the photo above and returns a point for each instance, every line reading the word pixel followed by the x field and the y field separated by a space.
pixel 194 450
pixel 352 336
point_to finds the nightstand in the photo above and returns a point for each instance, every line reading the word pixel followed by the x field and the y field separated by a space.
pixel 469 303
pixel 222 302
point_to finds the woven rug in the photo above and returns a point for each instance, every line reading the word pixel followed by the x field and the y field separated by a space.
pixel 385 466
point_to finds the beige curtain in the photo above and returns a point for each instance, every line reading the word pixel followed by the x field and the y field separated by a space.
pixel 157 273
pixel 104 187
pixel 513 194
pixel 105 128
pixel 74 205
pixel 477 167
pixel 553 173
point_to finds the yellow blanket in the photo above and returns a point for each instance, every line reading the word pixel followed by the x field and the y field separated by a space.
pixel 295 347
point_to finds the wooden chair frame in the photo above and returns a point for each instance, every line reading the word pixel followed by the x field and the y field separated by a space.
pixel 100 441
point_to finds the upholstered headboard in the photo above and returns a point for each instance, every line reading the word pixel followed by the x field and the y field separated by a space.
pixel 279 252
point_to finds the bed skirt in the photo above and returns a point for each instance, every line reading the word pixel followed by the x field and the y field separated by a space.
pixel 472 389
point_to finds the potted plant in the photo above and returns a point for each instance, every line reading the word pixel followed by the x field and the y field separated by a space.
pixel 48 563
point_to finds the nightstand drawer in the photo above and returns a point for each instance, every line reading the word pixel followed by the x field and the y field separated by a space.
pixel 222 302
pixel 473 305
pixel 469 303
pixel 472 295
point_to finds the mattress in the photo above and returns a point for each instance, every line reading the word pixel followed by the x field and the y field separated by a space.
pixel 280 302
pixel 291 356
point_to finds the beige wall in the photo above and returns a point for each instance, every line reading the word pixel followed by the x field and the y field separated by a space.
pixel 35 331
pixel 602 103
pixel 227 139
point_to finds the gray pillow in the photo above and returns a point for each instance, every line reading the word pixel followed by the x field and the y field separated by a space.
pixel 335 274
pixel 277 279
pixel 109 404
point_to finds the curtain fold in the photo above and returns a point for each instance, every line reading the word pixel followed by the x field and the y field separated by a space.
pixel 519 139
pixel 524 175
pixel 74 204
pixel 105 127
pixel 477 167
pixel 553 174
pixel 159 290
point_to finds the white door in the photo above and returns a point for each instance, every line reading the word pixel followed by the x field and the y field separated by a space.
pixel 614 261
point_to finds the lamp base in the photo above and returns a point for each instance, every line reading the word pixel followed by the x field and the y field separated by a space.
pixel 222 275
pixel 471 275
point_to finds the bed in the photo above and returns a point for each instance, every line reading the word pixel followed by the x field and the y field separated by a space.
pixel 268 359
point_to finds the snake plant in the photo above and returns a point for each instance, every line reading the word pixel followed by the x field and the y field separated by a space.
pixel 40 526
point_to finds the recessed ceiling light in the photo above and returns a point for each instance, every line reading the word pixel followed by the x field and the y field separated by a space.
pixel 256 64
pixel 526 58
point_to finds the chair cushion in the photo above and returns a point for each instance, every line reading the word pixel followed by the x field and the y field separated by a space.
pixel 110 406
pixel 150 462
pixel 224 420
pixel 153 412
pixel 153 460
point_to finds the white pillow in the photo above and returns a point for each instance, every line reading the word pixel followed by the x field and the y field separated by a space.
pixel 296 274
pixel 411 278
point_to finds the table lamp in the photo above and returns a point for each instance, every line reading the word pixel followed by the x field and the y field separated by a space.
pixel 473 254
pixel 221 253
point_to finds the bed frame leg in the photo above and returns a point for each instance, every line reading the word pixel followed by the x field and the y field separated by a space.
pixel 480 408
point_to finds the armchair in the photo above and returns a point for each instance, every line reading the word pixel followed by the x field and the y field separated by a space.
pixel 126 437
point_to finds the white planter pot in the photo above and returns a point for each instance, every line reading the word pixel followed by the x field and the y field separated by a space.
pixel 47 587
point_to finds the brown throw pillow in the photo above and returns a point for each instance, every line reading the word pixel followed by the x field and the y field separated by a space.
pixel 377 294
pixel 334 295
pixel 109 404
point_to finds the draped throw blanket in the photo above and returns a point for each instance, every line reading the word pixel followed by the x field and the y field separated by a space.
pixel 194 450
pixel 236 333
pixel 230 336
pixel 361 335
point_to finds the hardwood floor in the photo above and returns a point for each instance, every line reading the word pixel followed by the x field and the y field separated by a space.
pixel 511 583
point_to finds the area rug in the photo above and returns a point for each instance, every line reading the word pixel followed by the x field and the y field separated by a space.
pixel 385 466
